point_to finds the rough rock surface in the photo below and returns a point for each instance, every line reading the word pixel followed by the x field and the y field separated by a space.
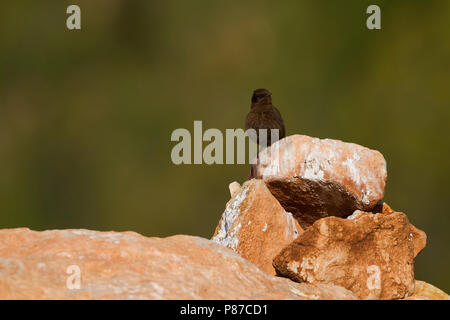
pixel 419 237
pixel 419 240
pixel 315 178
pixel 426 291
pixel 369 254
pixel 234 188
pixel 126 265
pixel 256 226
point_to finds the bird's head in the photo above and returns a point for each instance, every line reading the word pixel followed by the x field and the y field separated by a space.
pixel 261 96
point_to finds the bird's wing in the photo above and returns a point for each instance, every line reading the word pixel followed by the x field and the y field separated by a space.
pixel 283 129
pixel 252 121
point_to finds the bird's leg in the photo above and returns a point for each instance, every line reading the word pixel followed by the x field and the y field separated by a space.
pixel 250 175
pixel 256 166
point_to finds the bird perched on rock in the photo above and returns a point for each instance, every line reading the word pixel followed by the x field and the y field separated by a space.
pixel 263 115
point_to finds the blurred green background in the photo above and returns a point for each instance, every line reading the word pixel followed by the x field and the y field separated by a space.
pixel 86 116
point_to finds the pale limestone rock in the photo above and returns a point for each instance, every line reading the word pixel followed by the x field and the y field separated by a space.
pixel 256 226
pixel 426 291
pixel 315 178
pixel 234 188
pixel 126 265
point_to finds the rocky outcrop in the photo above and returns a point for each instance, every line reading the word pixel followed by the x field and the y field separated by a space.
pixel 369 251
pixel 340 242
pixel 83 264
pixel 369 254
pixel 315 178
pixel 255 225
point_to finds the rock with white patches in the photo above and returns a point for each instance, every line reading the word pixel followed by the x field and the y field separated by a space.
pixel 315 178
pixel 369 254
pixel 136 267
pixel 234 188
pixel 256 226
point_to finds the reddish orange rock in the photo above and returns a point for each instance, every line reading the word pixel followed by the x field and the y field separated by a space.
pixel 418 236
pixel 419 239
pixel 315 178
pixel 369 254
pixel 256 226
pixel 126 265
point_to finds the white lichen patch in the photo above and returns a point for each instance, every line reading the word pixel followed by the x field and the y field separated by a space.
pixel 270 161
pixel 312 168
pixel 229 228
pixel 308 269
pixel 288 158
pixel 365 197
pixel 319 158
pixel 373 281
pixel 308 296
pixel 157 289
pixel 354 215
pixel 323 228
pixel 82 232
pixel 385 256
pixel 114 237
pixel 353 168
pixel 64 254
pixel 265 228
pixel 291 229
pixel 293 266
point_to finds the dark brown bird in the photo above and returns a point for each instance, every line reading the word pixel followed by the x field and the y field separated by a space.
pixel 263 115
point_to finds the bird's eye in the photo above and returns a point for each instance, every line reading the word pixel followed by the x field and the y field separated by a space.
pixel 258 96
